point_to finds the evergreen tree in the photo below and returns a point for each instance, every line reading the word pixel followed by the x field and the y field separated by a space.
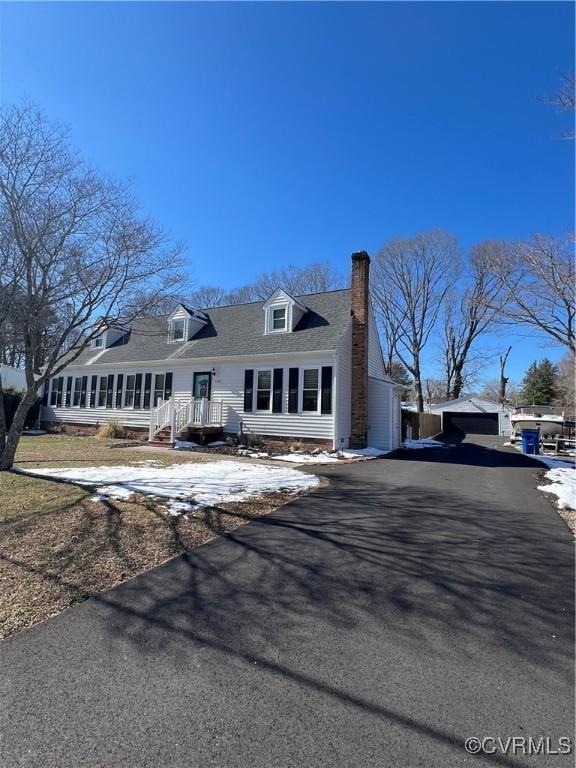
pixel 540 383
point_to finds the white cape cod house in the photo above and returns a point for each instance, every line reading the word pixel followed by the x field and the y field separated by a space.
pixel 306 368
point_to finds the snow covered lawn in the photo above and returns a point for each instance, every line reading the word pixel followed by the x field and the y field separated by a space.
pixel 563 485
pixel 186 486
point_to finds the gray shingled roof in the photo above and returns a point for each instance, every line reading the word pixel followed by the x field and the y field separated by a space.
pixel 237 329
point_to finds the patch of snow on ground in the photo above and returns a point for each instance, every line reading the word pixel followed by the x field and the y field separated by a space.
pixel 350 453
pixel 186 485
pixel 307 458
pixel 323 457
pixel 215 444
pixel 563 486
pixel 425 442
pixel 252 454
pixel 553 462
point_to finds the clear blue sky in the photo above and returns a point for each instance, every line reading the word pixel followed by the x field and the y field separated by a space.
pixel 267 133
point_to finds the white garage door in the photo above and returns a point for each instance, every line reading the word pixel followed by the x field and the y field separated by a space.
pixel 380 429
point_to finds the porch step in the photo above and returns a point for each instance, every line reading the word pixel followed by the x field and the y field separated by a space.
pixel 162 438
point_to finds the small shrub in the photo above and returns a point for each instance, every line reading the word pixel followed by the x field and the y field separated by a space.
pixel 255 441
pixel 232 441
pixel 113 429
pixel 55 429
pixel 296 447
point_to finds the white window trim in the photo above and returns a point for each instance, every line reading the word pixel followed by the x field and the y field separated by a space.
pixel 255 408
pixel 73 393
pixel 98 390
pixel 153 388
pixel 171 339
pixel 101 338
pixel 270 318
pixel 318 411
pixel 125 390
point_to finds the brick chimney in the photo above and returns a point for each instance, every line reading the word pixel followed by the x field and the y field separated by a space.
pixel 360 315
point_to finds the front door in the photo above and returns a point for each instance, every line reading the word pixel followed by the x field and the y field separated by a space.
pixel 202 385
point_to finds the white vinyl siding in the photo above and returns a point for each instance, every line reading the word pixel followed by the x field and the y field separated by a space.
pixel 227 385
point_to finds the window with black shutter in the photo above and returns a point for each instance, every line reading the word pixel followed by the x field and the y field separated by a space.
pixel 45 393
pixel 147 386
pixel 248 390
pixel 77 390
pixel 277 393
pixel 326 404
pixel 102 391
pixel 68 402
pixel 53 391
pixel 83 392
pixel 110 391
pixel 60 388
pixel 159 388
pixel 310 382
pixel 119 385
pixel 93 385
pixel 129 394
pixel 293 376
pixel 137 390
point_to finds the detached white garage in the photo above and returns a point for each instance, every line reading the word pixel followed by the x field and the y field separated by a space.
pixel 383 414
pixel 473 416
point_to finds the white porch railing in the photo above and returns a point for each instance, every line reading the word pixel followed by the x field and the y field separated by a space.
pixel 178 416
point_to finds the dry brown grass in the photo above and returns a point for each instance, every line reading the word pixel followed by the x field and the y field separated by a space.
pixel 59 546
pixel 50 562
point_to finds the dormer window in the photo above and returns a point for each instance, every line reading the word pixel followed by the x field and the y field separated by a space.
pixel 184 323
pixel 178 329
pixel 282 313
pixel 98 342
pixel 279 319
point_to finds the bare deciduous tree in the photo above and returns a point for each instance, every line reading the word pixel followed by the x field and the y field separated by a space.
pixel 207 296
pixel 538 278
pixel 503 381
pixel 410 281
pixel 313 278
pixel 470 310
pixel 564 99
pixel 566 380
pixel 73 249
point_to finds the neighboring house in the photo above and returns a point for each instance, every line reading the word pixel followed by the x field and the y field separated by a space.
pixel 473 415
pixel 12 377
pixel 305 368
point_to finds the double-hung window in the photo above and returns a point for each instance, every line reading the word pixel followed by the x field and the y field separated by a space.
pixel 279 319
pixel 263 390
pixel 129 392
pixel 54 392
pixel 77 392
pixel 158 389
pixel 310 388
pixel 102 391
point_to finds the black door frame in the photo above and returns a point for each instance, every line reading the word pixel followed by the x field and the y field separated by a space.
pixel 202 373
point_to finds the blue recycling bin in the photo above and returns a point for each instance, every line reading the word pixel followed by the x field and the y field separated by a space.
pixel 531 441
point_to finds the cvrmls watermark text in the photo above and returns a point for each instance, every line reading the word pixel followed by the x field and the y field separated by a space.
pixel 518 745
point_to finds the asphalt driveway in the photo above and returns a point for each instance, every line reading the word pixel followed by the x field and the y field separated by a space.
pixel 414 602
